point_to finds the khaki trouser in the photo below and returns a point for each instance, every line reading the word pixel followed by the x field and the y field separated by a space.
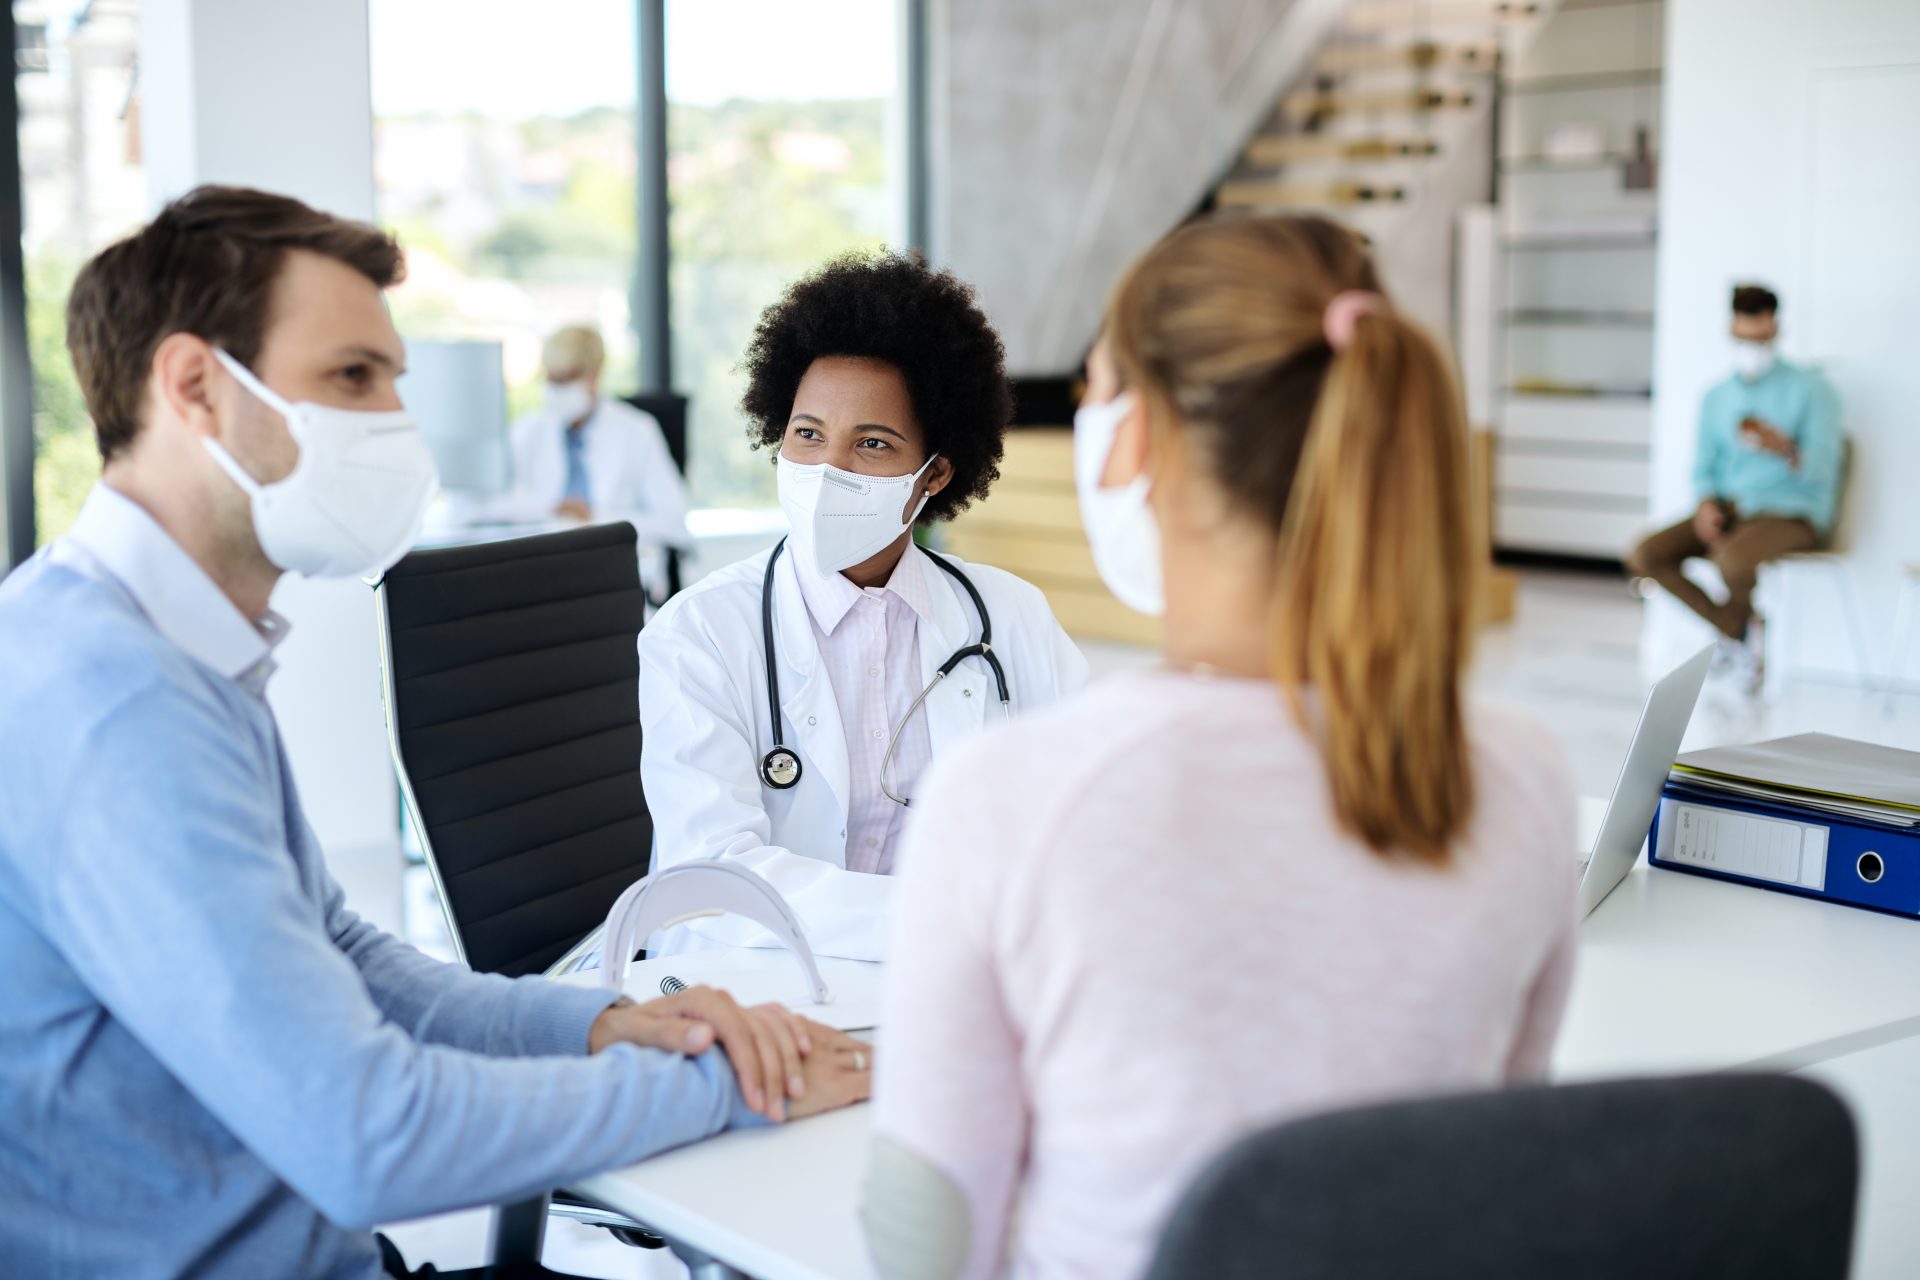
pixel 1747 544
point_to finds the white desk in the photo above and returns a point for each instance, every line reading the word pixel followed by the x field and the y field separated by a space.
pixel 776 1203
pixel 1682 973
pixel 1677 973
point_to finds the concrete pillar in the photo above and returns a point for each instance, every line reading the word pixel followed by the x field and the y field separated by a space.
pixel 276 94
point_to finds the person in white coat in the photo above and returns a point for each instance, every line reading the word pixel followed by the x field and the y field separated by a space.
pixel 591 458
pixel 882 387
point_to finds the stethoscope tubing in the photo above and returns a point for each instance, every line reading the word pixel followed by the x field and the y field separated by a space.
pixel 780 768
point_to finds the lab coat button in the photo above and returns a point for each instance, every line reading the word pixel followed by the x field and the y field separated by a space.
pixel 966 693
pixel 812 721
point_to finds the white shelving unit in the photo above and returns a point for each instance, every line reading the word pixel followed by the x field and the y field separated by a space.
pixel 1574 285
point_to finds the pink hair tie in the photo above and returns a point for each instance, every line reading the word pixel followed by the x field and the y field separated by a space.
pixel 1345 311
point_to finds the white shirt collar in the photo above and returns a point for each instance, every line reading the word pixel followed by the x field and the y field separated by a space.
pixel 831 597
pixel 175 593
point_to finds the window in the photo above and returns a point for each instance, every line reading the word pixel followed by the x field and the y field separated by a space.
pixel 504 158
pixel 783 151
pixel 81 188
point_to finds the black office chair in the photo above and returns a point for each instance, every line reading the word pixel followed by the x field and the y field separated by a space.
pixel 513 711
pixel 669 409
pixel 1672 1179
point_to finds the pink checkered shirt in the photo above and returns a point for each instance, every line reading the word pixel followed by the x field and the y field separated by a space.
pixel 869 639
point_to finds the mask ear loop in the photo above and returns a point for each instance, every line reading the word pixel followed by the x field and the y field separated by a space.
pixel 911 512
pixel 245 377
pixel 259 391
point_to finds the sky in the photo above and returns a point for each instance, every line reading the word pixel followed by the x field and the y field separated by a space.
pixel 508 59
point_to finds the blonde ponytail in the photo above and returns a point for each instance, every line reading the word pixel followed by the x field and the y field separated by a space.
pixel 1357 459
pixel 1378 564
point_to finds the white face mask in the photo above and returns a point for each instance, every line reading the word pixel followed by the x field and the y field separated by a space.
pixel 1120 524
pixel 1752 360
pixel 568 401
pixel 353 503
pixel 839 519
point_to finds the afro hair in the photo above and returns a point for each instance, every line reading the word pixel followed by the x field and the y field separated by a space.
pixel 925 323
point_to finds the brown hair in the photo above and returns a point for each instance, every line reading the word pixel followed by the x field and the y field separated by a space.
pixel 1357 461
pixel 1754 300
pixel 206 266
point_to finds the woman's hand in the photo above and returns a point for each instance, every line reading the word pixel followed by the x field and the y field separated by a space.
pixel 839 1072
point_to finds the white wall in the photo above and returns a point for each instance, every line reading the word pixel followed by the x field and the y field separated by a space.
pixel 275 94
pixel 1789 157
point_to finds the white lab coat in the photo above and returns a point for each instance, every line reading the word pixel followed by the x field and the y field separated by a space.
pixel 630 473
pixel 705 728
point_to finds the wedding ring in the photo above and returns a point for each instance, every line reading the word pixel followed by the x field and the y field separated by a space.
pixel 859 1060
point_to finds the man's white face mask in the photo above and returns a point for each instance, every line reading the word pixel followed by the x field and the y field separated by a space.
pixel 1752 360
pixel 1120 524
pixel 837 519
pixel 568 401
pixel 354 501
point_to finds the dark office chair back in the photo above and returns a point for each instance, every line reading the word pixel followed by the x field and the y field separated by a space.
pixel 669 409
pixel 1653 1179
pixel 513 706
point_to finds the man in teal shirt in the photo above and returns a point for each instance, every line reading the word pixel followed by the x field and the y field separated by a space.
pixel 1766 476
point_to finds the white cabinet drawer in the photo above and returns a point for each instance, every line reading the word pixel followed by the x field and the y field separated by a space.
pixel 1568 530
pixel 1571 473
pixel 1574 420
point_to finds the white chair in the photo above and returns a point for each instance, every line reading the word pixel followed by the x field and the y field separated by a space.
pixel 1900 654
pixel 1782 592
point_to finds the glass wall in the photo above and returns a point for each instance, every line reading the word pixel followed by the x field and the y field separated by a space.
pixel 81 187
pixel 504 159
pixel 783 152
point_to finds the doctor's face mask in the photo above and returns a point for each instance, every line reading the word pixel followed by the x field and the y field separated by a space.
pixel 853 473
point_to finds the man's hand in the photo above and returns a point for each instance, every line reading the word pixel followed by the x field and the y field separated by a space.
pixel 1768 438
pixel 1710 521
pixel 575 509
pixel 766 1044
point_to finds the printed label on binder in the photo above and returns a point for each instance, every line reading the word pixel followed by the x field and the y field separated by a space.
pixel 1744 844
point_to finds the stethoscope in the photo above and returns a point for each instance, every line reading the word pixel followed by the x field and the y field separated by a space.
pixel 780 767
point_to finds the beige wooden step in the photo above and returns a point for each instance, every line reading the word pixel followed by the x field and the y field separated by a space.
pixel 1425 15
pixel 1265 194
pixel 1271 150
pixel 1312 104
pixel 1421 55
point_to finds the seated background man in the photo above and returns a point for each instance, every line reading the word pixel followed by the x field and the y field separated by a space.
pixel 211 1067
pixel 590 457
pixel 1766 475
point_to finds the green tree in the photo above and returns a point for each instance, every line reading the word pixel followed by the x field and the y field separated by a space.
pixel 66 461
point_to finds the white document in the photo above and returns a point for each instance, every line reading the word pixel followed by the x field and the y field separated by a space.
pixel 769 976
pixel 1744 844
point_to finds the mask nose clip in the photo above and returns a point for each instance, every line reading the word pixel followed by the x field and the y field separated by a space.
pixel 852 484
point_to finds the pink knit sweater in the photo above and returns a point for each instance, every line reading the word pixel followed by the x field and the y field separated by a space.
pixel 1129 932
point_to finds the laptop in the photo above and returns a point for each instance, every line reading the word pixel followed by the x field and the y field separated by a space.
pixel 1636 793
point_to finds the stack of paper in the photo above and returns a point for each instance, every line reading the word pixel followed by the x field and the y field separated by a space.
pixel 1858 780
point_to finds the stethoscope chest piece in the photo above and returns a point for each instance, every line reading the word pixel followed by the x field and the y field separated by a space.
pixel 780 769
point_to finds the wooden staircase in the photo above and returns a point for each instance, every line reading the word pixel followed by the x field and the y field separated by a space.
pixel 1400 90
pixel 1390 132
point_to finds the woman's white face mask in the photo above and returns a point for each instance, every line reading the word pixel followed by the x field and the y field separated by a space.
pixel 355 499
pixel 1120 524
pixel 838 519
